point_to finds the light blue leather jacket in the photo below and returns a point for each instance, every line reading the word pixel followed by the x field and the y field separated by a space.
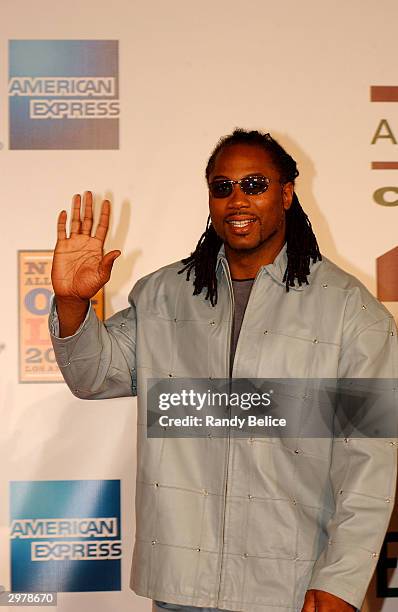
pixel 247 524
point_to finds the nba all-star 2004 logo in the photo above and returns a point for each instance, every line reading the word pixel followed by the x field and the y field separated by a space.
pixel 36 355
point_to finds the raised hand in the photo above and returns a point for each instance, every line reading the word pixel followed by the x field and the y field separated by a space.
pixel 80 268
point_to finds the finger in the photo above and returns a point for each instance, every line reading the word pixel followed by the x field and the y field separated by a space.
pixel 61 225
pixel 87 223
pixel 75 221
pixel 309 602
pixel 103 223
pixel 107 263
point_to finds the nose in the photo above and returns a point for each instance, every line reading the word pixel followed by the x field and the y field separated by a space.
pixel 238 199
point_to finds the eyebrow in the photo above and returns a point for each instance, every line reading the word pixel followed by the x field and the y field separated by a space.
pixel 222 176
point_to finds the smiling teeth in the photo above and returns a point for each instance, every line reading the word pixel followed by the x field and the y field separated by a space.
pixel 241 223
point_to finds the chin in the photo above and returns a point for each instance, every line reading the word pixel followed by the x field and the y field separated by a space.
pixel 240 245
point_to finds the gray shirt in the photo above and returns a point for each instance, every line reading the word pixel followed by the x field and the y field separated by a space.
pixel 242 290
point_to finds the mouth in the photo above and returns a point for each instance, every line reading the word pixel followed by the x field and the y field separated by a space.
pixel 240 226
pixel 241 223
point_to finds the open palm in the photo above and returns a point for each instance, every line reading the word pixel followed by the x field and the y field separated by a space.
pixel 80 268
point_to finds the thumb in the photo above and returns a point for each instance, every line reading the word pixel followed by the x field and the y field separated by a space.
pixel 107 263
pixel 309 602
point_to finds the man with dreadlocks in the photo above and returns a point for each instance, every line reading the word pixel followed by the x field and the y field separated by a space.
pixel 255 524
pixel 294 227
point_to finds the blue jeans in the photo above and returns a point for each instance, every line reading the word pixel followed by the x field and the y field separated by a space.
pixel 160 606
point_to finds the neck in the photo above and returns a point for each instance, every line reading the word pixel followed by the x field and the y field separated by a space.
pixel 246 263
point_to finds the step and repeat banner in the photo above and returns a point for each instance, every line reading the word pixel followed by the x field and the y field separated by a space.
pixel 127 99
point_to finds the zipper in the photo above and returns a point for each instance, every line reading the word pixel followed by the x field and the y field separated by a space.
pixel 230 375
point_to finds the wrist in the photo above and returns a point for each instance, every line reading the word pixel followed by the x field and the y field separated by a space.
pixel 72 303
pixel 71 314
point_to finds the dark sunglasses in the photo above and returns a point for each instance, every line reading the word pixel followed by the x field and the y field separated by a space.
pixel 250 185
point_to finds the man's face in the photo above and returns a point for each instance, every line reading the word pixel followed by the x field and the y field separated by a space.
pixel 264 213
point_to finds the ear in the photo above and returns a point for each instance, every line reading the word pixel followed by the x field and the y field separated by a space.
pixel 287 195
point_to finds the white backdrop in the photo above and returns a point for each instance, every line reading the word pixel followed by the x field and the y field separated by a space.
pixel 189 73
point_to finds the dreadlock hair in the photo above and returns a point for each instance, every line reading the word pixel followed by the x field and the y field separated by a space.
pixel 300 239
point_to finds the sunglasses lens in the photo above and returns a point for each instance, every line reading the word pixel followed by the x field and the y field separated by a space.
pixel 220 189
pixel 253 185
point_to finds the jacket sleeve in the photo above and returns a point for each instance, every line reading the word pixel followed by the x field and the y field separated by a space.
pixel 98 360
pixel 363 477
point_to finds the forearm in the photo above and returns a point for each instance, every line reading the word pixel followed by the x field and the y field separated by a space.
pixel 364 477
pixel 98 360
pixel 363 469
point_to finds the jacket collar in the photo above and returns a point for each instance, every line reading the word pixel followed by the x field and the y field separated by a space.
pixel 276 269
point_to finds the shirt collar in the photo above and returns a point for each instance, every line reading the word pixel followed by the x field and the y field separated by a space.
pixel 276 269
